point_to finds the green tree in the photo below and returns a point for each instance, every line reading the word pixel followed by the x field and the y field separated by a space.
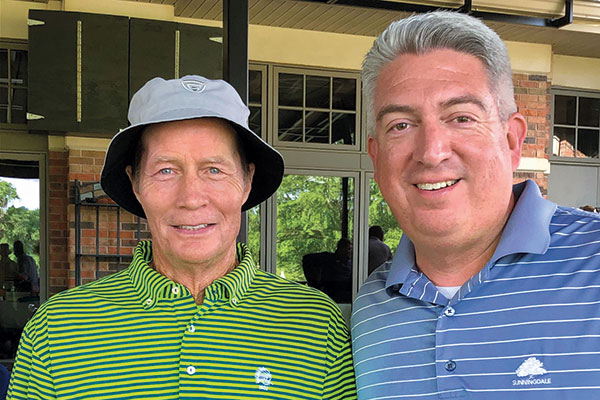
pixel 254 232
pixel 22 224
pixel 380 214
pixel 18 223
pixel 8 193
pixel 309 219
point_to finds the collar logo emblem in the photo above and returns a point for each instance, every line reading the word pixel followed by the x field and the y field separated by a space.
pixel 193 85
pixel 531 371
pixel 263 378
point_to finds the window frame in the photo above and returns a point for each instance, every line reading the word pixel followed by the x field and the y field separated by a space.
pixel 11 45
pixel 577 93
pixel 329 73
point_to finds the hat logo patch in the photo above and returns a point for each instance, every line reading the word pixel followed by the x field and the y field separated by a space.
pixel 193 85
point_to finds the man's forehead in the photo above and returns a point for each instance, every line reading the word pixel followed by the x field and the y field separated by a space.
pixel 168 131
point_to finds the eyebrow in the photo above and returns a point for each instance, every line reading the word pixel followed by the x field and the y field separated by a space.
pixel 466 99
pixel 390 108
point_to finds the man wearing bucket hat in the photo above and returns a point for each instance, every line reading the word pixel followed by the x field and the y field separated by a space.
pixel 192 317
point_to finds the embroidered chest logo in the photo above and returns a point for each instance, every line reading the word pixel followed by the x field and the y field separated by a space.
pixel 263 378
pixel 529 370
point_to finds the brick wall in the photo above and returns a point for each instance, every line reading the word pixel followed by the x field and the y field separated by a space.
pixel 532 94
pixel 58 193
pixel 99 225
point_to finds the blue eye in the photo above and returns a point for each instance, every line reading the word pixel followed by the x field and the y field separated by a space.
pixel 214 170
pixel 165 171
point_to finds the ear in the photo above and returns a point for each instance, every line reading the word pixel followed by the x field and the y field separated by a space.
pixel 134 185
pixel 251 169
pixel 372 150
pixel 516 131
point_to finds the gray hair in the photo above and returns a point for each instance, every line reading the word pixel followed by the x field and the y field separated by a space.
pixel 422 33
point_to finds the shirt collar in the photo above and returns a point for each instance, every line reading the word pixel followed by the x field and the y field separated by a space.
pixel 526 231
pixel 151 286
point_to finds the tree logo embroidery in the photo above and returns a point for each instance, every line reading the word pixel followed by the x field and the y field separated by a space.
pixel 529 369
pixel 263 378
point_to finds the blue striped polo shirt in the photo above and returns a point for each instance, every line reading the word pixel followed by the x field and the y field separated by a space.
pixel 139 335
pixel 527 326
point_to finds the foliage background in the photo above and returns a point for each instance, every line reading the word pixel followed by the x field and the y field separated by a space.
pixel 18 223
pixel 309 220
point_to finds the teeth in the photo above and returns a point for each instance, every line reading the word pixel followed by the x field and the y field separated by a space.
pixel 193 228
pixel 436 185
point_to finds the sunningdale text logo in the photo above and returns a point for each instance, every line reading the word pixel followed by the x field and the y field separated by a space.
pixel 530 369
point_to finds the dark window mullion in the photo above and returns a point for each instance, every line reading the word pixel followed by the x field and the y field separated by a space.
pixel 9 81
pixel 303 108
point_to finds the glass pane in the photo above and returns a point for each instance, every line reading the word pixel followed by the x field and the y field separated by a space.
pixel 255 87
pixel 343 128
pixel 317 91
pixel 19 270
pixel 587 143
pixel 19 106
pixel 563 142
pixel 381 215
pixel 344 94
pixel 589 111
pixel 564 110
pixel 254 233
pixel 291 89
pixel 290 125
pixel 255 120
pixel 314 213
pixel 18 67
pixel 3 104
pixel 317 127
pixel 3 65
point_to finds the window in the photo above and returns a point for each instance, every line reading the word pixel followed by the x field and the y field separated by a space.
pixel 13 83
pixel 316 108
pixel 576 125
pixel 256 100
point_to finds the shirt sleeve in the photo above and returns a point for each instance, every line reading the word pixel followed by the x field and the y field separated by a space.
pixel 339 383
pixel 31 378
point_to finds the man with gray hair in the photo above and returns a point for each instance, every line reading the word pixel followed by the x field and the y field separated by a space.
pixel 493 292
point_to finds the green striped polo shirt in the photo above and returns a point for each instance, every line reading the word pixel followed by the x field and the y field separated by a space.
pixel 138 335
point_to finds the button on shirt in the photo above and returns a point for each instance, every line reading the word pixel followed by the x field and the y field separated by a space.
pixel 138 335
pixel 527 326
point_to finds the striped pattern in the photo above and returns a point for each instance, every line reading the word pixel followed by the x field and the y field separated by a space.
pixel 526 327
pixel 139 335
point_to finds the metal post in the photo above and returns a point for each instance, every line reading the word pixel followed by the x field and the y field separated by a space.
pixel 235 63
pixel 77 235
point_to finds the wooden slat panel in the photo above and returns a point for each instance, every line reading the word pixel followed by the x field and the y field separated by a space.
pixel 308 14
pixel 215 12
pixel 259 16
pixel 182 8
pixel 278 9
pixel 286 18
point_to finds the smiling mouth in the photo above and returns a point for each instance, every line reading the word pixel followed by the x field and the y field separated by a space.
pixel 192 227
pixel 436 185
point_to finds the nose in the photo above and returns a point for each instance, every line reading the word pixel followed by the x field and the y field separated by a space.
pixel 433 144
pixel 191 191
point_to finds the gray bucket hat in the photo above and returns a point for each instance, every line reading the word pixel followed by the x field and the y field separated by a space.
pixel 189 97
